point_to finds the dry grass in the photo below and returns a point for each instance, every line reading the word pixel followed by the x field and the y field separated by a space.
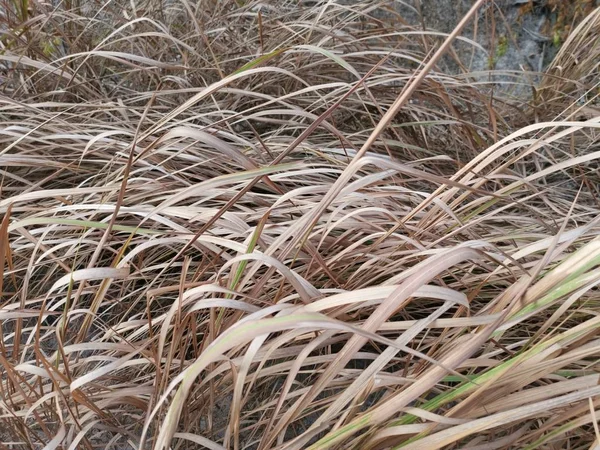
pixel 258 225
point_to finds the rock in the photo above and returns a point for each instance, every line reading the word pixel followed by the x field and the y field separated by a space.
pixel 520 37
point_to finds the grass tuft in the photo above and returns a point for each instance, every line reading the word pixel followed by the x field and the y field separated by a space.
pixel 281 225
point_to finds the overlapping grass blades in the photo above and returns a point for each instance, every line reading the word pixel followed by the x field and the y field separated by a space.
pixel 263 225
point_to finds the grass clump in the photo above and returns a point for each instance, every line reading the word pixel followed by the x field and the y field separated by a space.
pixel 265 225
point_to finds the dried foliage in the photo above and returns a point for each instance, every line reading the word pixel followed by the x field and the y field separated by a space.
pixel 262 225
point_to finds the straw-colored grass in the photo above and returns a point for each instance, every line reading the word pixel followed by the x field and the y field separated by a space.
pixel 262 225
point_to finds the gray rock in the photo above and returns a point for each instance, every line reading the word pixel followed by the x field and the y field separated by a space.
pixel 513 34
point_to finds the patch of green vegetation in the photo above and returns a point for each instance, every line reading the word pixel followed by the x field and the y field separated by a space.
pixel 501 50
pixel 502 47
pixel 556 40
pixel 50 46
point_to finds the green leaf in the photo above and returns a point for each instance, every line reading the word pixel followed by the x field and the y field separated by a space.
pixel 260 60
